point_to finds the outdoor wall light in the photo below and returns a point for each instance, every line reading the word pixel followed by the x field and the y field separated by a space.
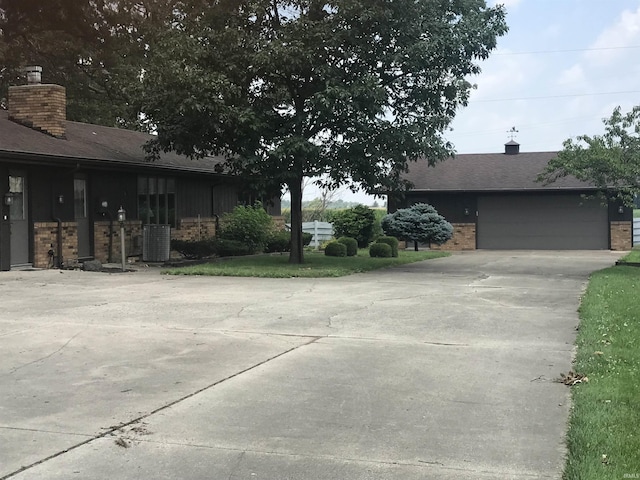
pixel 620 209
pixel 104 203
pixel 122 214
pixel 466 212
pixel 8 199
pixel 60 199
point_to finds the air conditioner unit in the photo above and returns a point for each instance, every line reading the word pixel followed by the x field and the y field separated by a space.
pixel 156 243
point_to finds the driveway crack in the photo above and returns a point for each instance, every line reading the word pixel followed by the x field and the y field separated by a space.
pixel 15 369
pixel 119 427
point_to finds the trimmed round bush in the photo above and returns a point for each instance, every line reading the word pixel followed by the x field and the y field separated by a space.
pixel 392 242
pixel 306 238
pixel 335 249
pixel 380 250
pixel 351 244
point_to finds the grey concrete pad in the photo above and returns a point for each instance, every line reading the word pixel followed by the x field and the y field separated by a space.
pixel 441 369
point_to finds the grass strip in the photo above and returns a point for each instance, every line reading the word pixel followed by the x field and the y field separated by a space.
pixel 604 427
pixel 316 265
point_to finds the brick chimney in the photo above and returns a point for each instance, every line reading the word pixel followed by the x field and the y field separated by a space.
pixel 39 106
pixel 511 148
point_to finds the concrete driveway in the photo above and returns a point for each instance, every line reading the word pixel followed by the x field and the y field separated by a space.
pixel 441 369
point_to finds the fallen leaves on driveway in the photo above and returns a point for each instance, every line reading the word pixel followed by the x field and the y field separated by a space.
pixel 572 378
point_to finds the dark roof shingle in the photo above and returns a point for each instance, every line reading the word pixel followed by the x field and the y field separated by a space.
pixel 488 172
pixel 94 144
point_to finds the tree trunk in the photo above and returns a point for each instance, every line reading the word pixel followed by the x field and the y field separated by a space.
pixel 297 250
pixel 415 245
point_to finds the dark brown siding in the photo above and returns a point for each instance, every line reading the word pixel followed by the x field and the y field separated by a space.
pixel 193 197
pixel 455 208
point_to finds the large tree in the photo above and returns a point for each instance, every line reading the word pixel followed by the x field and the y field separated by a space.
pixel 346 90
pixel 610 161
pixel 97 49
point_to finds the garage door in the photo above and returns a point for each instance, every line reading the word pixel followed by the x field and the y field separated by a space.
pixel 542 222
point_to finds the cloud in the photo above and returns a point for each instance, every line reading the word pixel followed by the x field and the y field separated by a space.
pixel 572 76
pixel 624 33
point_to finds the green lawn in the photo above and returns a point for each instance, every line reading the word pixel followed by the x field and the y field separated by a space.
pixel 604 430
pixel 633 256
pixel 316 265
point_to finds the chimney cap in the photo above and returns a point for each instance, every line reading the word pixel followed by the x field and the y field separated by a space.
pixel 34 74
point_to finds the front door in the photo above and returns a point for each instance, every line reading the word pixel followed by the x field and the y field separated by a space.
pixel 81 217
pixel 19 219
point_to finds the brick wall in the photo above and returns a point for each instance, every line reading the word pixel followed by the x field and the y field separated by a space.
pixel 46 238
pixel 39 106
pixel 194 229
pixel 132 240
pixel 464 238
pixel 621 235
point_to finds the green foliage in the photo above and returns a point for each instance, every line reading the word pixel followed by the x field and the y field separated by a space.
pixel 249 225
pixel 231 248
pixel 356 222
pixel 317 265
pixel 419 223
pixel 335 249
pixel 306 238
pixel 278 242
pixel 351 244
pixel 194 249
pixel 605 412
pixel 382 250
pixel 289 89
pixel 611 160
pixel 96 50
pixel 392 242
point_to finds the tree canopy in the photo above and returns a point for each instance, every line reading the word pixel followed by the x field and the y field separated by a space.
pixel 610 161
pixel 419 223
pixel 346 90
pixel 96 49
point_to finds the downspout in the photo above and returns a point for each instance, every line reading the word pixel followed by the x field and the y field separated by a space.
pixel 60 259
pixel 110 255
pixel 58 220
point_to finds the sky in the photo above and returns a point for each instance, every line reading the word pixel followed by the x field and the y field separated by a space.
pixel 561 69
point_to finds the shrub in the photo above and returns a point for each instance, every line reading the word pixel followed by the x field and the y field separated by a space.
pixel 335 249
pixel 420 223
pixel 278 242
pixel 250 225
pixel 380 250
pixel 231 248
pixel 306 238
pixel 392 242
pixel 194 249
pixel 357 222
pixel 351 244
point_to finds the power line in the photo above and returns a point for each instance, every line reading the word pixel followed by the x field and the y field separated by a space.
pixel 553 96
pixel 569 50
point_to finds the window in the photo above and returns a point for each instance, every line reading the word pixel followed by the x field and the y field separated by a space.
pixel 157 200
pixel 16 189
pixel 80 197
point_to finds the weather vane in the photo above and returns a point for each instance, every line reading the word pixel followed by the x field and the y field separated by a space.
pixel 513 132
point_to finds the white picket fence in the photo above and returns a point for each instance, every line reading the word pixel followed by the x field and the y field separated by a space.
pixel 321 231
pixel 636 231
